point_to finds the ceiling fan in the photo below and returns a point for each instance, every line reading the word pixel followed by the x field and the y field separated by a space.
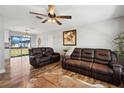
pixel 51 16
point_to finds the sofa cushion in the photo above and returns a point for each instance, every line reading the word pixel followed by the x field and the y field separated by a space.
pixel 81 64
pixel 73 62
pixel 37 51
pixel 102 56
pixel 102 69
pixel 76 54
pixel 43 59
pixel 87 59
pixel 86 65
pixel 101 61
pixel 87 54
pixel 38 55
pixel 55 56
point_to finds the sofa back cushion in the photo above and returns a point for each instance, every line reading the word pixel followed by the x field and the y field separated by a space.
pixel 37 52
pixel 76 54
pixel 87 54
pixel 43 49
pixel 102 56
pixel 49 51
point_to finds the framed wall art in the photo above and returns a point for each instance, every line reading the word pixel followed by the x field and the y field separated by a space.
pixel 69 38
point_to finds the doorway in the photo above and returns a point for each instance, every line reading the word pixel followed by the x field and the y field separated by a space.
pixel 19 46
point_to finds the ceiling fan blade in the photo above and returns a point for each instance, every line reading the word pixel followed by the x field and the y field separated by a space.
pixel 64 17
pixel 39 17
pixel 44 21
pixel 51 9
pixel 37 14
pixel 59 23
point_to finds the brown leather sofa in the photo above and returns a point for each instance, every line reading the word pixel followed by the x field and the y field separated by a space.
pixel 101 64
pixel 42 56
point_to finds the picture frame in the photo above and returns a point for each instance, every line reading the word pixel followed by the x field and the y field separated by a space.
pixel 70 38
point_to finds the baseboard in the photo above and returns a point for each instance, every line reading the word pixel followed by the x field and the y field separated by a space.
pixel 2 70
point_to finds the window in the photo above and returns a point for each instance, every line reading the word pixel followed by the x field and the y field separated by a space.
pixel 19 46
pixel 20 42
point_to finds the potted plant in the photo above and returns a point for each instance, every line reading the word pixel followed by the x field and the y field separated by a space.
pixel 65 51
pixel 119 42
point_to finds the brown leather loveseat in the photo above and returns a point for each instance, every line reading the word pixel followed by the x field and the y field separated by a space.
pixel 42 56
pixel 101 64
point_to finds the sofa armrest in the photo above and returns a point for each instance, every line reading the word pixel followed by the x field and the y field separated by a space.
pixel 117 73
pixel 64 60
pixel 66 57
pixel 114 58
pixel 33 61
pixel 32 57
pixel 56 53
pixel 55 57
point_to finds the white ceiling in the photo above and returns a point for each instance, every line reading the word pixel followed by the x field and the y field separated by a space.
pixel 17 18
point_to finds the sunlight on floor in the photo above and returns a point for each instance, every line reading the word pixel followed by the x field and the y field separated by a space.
pixel 19 64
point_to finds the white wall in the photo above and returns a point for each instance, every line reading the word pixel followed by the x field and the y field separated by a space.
pixel 97 35
pixel 6 40
pixel 45 39
pixel 33 41
pixel 2 69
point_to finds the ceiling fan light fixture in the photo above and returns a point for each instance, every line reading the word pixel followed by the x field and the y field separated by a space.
pixel 51 20
pixel 51 16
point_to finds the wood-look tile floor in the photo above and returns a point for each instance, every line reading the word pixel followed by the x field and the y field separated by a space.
pixel 19 72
